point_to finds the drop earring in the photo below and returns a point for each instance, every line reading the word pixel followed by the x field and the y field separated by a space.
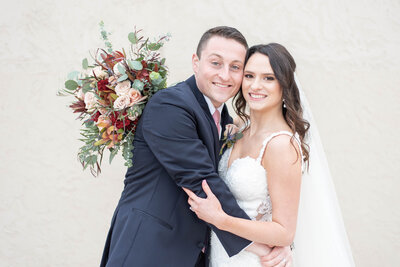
pixel 284 105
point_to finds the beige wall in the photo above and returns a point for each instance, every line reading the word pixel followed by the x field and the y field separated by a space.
pixel 348 53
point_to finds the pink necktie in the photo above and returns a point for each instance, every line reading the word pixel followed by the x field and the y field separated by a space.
pixel 217 118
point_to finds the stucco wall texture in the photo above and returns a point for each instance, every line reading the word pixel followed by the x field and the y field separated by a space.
pixel 348 56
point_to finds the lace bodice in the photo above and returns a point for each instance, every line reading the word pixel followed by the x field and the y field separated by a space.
pixel 247 180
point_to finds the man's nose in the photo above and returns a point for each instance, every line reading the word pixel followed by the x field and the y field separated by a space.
pixel 224 73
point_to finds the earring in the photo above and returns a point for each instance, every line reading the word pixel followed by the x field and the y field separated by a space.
pixel 284 105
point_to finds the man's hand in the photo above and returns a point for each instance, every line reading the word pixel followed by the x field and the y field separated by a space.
pixel 279 257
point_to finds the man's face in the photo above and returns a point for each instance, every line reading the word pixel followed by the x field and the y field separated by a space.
pixel 219 70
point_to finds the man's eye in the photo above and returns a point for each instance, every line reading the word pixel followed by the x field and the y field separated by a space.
pixel 236 67
pixel 215 63
pixel 248 76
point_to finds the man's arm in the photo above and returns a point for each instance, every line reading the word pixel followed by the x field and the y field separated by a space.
pixel 170 131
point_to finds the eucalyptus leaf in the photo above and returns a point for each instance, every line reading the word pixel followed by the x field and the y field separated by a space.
pixel 121 69
pixel 113 153
pixel 122 78
pixel 86 87
pixel 134 64
pixel 154 46
pixel 85 63
pixel 73 75
pixel 132 38
pixel 162 61
pixel 71 85
pixel 138 84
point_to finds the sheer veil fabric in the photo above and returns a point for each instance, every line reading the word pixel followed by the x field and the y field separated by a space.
pixel 321 238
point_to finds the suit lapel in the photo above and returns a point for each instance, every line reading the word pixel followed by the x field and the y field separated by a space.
pixel 200 98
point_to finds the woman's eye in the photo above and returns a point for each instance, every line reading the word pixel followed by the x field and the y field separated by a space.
pixel 269 78
pixel 248 76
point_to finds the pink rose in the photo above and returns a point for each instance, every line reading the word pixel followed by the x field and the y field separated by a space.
pixel 122 102
pixel 135 97
pixel 90 101
pixel 122 88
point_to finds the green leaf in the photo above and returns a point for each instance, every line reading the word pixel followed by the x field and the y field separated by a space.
pixel 85 64
pixel 113 153
pixel 134 64
pixel 154 46
pixel 155 75
pixel 138 84
pixel 162 61
pixel 121 69
pixel 132 38
pixel 86 87
pixel 73 75
pixel 122 78
pixel 71 85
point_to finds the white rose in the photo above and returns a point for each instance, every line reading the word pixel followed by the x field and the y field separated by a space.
pixel 122 88
pixel 79 94
pixel 100 73
pixel 90 100
pixel 122 102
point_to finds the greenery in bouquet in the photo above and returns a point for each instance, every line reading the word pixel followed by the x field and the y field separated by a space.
pixel 111 93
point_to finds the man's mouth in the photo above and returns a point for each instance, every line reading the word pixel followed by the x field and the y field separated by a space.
pixel 222 85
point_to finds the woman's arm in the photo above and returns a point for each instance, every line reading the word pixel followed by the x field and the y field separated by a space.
pixel 284 178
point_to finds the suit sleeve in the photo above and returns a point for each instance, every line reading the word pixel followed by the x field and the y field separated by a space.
pixel 170 131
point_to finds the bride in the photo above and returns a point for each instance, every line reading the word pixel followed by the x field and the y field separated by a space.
pixel 270 171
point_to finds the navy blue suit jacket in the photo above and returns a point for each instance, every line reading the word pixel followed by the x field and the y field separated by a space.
pixel 176 145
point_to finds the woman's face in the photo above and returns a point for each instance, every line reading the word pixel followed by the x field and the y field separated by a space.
pixel 260 88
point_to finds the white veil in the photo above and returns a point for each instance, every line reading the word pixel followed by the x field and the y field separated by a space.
pixel 321 238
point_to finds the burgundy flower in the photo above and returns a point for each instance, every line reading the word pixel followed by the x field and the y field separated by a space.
pixel 95 116
pixel 101 85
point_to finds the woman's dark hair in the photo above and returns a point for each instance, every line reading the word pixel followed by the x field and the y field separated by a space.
pixel 284 66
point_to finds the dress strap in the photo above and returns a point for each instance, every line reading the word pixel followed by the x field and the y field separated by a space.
pixel 269 138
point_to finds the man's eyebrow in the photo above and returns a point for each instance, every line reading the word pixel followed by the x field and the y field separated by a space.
pixel 217 55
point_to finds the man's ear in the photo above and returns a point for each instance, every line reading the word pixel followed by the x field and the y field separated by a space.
pixel 195 63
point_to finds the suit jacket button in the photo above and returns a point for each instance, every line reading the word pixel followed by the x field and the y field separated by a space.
pixel 200 245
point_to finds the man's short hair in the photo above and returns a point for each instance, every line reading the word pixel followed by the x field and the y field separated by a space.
pixel 222 31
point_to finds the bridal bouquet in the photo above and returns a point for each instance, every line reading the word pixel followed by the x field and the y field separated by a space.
pixel 110 94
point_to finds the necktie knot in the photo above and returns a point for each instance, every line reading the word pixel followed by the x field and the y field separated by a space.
pixel 217 119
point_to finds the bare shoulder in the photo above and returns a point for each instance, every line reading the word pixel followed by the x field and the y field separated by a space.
pixel 281 148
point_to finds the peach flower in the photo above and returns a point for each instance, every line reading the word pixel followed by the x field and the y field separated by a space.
pixel 135 96
pixel 122 102
pixel 122 88
pixel 103 122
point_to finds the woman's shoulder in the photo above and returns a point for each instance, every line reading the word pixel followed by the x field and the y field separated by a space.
pixel 281 145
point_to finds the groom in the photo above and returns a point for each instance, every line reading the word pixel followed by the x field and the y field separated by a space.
pixel 177 145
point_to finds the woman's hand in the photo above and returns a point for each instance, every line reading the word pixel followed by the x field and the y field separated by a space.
pixel 207 209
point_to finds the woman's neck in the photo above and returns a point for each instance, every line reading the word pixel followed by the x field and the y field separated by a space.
pixel 266 121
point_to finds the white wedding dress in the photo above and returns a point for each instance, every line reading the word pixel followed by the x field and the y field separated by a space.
pixel 321 238
pixel 247 180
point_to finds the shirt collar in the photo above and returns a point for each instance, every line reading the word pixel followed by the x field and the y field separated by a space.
pixel 211 106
